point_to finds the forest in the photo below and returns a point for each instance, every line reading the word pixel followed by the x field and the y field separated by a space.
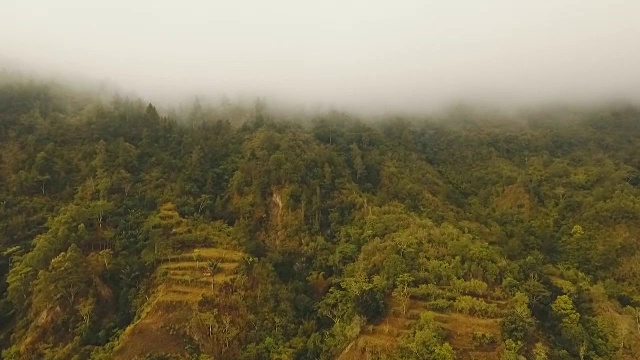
pixel 230 231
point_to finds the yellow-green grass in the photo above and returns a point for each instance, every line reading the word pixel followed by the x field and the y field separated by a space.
pixel 189 270
pixel 224 255
pixel 189 280
pixel 196 265
pixel 384 336
pixel 460 329
pixel 151 334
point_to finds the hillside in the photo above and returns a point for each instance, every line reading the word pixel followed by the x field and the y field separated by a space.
pixel 228 233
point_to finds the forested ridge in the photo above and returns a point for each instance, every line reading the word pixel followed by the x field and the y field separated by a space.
pixel 228 232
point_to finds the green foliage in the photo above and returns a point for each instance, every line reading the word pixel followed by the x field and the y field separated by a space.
pixel 518 324
pixel 473 306
pixel 511 350
pixel 483 339
pixel 565 311
pixel 471 287
pixel 426 341
pixel 440 305
pixel 371 304
pixel 540 352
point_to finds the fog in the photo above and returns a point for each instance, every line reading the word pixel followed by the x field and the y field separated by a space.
pixel 356 55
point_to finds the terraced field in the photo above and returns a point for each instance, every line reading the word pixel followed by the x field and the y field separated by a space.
pixel 183 279
pixel 186 277
pixel 180 283
pixel 460 329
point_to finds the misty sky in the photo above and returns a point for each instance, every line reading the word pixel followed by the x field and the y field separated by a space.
pixel 381 55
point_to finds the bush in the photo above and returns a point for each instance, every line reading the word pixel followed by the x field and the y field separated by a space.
pixel 483 339
pixel 426 292
pixel 510 285
pixel 472 306
pixel 516 327
pixel 440 305
pixel 471 287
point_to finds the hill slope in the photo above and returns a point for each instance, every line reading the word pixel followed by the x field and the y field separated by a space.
pixel 179 285
pixel 469 235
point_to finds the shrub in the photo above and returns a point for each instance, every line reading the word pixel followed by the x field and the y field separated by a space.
pixel 440 305
pixel 483 339
pixel 472 306
pixel 426 292
pixel 471 287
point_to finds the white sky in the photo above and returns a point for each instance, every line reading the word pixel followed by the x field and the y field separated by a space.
pixel 380 55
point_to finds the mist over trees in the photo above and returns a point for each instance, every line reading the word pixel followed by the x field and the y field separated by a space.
pixel 238 232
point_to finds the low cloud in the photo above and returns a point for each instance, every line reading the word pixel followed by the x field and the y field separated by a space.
pixel 402 56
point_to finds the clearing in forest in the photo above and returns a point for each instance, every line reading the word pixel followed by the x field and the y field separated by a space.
pixel 179 284
pixel 460 329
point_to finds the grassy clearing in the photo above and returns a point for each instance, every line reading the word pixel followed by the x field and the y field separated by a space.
pixel 384 336
pixel 186 277
pixel 196 265
pixel 180 283
pixel 460 328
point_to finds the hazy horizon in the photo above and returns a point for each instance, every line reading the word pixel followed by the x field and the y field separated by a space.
pixel 409 56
